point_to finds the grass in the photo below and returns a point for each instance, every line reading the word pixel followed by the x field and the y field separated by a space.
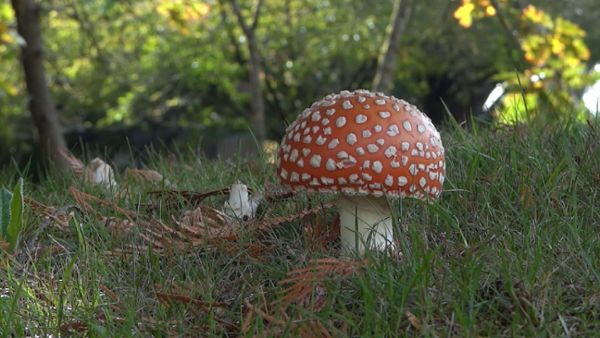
pixel 511 249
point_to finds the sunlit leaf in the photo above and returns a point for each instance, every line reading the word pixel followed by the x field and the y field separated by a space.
pixel 464 14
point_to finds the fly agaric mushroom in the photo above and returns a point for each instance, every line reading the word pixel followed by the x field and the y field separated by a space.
pixel 366 146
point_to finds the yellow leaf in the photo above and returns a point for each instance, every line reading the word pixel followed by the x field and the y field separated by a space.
pixel 464 14
pixel 6 38
pixel 490 11
pixel 533 14
pixel 558 46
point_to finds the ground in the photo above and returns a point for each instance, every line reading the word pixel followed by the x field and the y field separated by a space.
pixel 512 248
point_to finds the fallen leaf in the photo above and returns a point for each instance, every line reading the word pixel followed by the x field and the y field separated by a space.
pixel 413 320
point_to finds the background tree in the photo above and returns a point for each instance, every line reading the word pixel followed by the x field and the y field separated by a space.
pixel 386 62
pixel 41 106
pixel 259 123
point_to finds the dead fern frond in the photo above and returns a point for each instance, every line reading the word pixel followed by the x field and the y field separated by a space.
pixel 83 200
pixel 303 283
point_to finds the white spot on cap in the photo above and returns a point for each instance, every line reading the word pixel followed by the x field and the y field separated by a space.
pixel 421 128
pixel 327 131
pixel 307 139
pixel 294 155
pixel 305 114
pixel 321 140
pixel 360 151
pixel 315 161
pixel 283 174
pixel 377 167
pixel 405 146
pixel 366 106
pixel 366 133
pixel 412 188
pixel 342 155
pixel 433 141
pixel 389 180
pixel 402 181
pixel 306 131
pixel 419 146
pixel 297 137
pixel 342 181
pixel 367 177
pixel 305 151
pixel 305 176
pixel 380 102
pixel 380 141
pixel 327 180
pixel 361 99
pixel 378 128
pixel 407 126
pixel 300 163
pixel 330 112
pixel 361 118
pixel 315 129
pixel 316 116
pixel 413 169
pixel 334 143
pixel 384 114
pixel 353 178
pixel 351 138
pixel 295 177
pixel 395 164
pixel 372 148
pixel 422 182
pixel 303 124
pixel 390 152
pixel 325 121
pixel 366 164
pixel 340 121
pixel 433 175
pixel 330 165
pixel 393 130
pixel 347 105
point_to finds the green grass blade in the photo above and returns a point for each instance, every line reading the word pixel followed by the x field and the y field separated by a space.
pixel 5 197
pixel 16 216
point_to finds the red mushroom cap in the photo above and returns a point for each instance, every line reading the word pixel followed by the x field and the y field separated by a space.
pixel 363 143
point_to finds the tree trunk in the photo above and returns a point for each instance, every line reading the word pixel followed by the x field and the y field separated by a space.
pixel 43 112
pixel 386 62
pixel 258 103
pixel 259 123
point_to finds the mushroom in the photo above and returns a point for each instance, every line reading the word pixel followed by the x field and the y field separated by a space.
pixel 367 146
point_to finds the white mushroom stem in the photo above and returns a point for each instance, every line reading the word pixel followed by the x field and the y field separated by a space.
pixel 365 221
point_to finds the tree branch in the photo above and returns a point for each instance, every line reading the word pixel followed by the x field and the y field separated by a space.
pixel 256 15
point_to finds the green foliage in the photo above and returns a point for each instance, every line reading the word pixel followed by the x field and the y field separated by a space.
pixel 551 65
pixel 11 214
pixel 184 62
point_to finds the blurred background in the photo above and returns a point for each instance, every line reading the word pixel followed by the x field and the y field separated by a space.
pixel 218 75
